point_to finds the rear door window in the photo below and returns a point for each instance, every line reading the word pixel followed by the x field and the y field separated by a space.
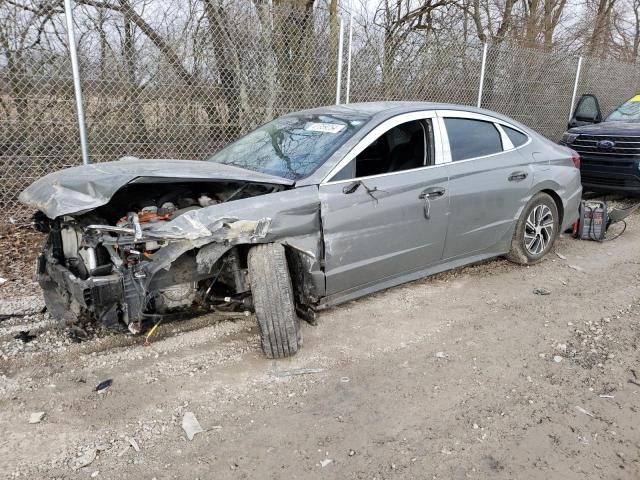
pixel 470 138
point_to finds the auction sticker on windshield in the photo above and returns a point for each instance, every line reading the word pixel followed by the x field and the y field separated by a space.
pixel 324 127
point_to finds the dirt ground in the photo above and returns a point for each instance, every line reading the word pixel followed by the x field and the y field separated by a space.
pixel 469 374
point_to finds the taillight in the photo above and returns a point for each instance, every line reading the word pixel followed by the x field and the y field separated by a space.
pixel 575 158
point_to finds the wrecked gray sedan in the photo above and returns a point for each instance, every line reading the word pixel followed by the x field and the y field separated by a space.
pixel 310 210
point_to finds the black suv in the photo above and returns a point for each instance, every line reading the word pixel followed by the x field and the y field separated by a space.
pixel 609 148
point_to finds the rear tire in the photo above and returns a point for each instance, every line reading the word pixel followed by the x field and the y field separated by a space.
pixel 536 231
pixel 274 300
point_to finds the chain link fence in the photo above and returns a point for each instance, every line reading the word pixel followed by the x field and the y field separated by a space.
pixel 185 93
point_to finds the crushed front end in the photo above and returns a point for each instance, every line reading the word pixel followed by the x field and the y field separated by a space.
pixel 130 261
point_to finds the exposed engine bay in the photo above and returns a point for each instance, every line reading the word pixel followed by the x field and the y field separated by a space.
pixel 128 261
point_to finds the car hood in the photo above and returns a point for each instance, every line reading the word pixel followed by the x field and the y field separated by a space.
pixel 80 189
pixel 609 128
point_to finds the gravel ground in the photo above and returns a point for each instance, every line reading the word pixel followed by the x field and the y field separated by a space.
pixel 474 373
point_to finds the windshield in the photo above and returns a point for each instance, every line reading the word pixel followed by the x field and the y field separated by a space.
pixel 292 146
pixel 627 112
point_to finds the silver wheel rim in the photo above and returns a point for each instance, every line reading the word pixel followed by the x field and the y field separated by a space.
pixel 538 231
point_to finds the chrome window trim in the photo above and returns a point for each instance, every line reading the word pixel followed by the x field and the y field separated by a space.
pixel 377 132
pixel 498 123
pixel 388 174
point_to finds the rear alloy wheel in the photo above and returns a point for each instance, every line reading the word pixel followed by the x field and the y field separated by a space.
pixel 274 300
pixel 536 230
pixel 539 230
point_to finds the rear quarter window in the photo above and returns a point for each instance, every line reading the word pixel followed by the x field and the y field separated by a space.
pixel 517 138
pixel 469 138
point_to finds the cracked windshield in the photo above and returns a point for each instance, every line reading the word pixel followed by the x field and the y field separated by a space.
pixel 290 147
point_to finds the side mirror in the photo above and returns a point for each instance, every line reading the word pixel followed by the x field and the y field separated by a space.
pixel 587 112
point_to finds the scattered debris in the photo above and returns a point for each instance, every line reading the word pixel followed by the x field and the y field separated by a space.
pixel 102 386
pixel 134 444
pixel 190 425
pixel 561 256
pixel 95 474
pixel 124 450
pixel 344 379
pixel 577 268
pixel 557 358
pixel 78 335
pixel 3 281
pixel 352 453
pixel 325 462
pixel 606 396
pixel 541 291
pixel 297 371
pixel 582 410
pixel 86 459
pixel 36 417
pixel 441 355
pixel 24 336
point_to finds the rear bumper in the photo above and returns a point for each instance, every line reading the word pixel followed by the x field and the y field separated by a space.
pixel 571 209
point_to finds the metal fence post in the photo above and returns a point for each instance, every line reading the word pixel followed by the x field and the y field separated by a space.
pixel 77 88
pixel 575 88
pixel 482 69
pixel 348 89
pixel 339 73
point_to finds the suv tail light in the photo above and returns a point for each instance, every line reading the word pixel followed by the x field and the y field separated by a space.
pixel 575 158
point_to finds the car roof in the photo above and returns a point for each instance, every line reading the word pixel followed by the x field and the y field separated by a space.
pixel 378 112
pixel 383 109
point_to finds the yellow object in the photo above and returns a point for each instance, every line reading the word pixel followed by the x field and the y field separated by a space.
pixel 635 99
pixel 153 329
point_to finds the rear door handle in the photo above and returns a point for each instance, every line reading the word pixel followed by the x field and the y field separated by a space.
pixel 517 176
pixel 431 193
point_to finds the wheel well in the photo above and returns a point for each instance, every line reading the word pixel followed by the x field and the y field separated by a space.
pixel 558 202
pixel 302 283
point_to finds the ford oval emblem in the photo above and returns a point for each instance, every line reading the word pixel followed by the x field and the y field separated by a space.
pixel 605 144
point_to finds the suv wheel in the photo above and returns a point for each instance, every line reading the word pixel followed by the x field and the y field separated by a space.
pixel 536 230
pixel 273 300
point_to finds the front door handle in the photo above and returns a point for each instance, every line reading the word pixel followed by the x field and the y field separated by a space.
pixel 431 193
pixel 352 187
pixel 517 176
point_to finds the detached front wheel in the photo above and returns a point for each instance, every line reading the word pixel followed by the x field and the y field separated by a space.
pixel 536 230
pixel 274 301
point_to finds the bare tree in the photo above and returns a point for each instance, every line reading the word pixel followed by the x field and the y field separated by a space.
pixel 601 35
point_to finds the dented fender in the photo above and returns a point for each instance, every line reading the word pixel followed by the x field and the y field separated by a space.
pixel 291 217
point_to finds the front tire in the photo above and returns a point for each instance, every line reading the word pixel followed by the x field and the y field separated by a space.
pixel 536 231
pixel 274 300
